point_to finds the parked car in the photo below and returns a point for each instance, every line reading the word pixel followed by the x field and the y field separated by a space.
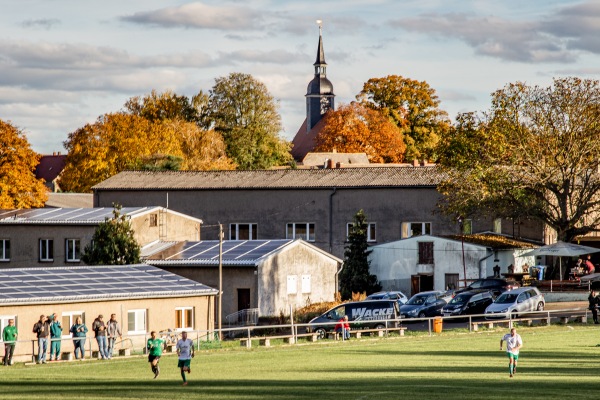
pixel 496 285
pixel 514 302
pixel 424 304
pixel 366 314
pixel 469 303
pixel 392 295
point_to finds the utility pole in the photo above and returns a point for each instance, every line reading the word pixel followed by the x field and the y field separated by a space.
pixel 462 243
pixel 220 278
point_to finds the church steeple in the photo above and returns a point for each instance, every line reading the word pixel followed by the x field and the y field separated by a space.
pixel 319 95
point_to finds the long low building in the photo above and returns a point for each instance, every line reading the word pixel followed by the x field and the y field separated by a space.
pixel 144 298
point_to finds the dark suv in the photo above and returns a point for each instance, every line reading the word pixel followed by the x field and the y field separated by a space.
pixel 496 285
pixel 468 303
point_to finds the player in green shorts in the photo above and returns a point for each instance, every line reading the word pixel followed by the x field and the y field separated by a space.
pixel 155 347
pixel 185 351
pixel 513 345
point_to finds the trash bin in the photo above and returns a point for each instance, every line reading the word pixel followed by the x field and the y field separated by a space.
pixel 437 325
pixel 541 269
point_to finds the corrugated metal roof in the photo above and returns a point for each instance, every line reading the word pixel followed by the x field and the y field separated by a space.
pixel 422 176
pixel 155 247
pixel 69 216
pixel 88 283
pixel 234 253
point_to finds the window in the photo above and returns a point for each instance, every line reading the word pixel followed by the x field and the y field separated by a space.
pixel 153 220
pixel 4 322
pixel 425 252
pixel 4 250
pixel 410 229
pixel 291 284
pixel 451 281
pixel 306 284
pixel 136 321
pixel 46 250
pixel 498 225
pixel 371 236
pixel 68 319
pixel 243 231
pixel 303 230
pixel 467 228
pixel 73 250
pixel 184 318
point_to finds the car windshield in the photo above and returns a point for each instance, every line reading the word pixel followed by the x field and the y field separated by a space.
pixel 460 299
pixel 506 298
pixel 417 300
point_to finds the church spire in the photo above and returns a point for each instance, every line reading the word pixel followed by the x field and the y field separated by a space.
pixel 319 95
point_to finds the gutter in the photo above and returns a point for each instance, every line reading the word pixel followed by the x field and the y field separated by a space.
pixel 331 219
pixel 481 270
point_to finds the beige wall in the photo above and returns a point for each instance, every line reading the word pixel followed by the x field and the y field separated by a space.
pixel 160 315
pixel 24 238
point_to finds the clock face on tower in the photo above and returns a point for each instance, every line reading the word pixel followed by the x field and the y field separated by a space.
pixel 325 105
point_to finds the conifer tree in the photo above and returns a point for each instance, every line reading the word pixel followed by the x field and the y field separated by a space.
pixel 355 276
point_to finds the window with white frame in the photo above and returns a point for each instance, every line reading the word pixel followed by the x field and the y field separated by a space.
pixel 292 284
pixel 184 318
pixel 306 284
pixel 301 230
pixel 4 322
pixel 136 321
pixel 73 250
pixel 371 231
pixel 243 231
pixel 410 229
pixel 46 250
pixel 4 249
pixel 68 319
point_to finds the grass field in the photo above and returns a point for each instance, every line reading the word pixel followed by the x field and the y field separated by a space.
pixel 556 362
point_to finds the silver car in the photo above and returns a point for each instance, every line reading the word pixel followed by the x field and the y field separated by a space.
pixel 516 301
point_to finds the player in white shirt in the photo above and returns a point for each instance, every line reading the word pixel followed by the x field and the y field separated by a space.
pixel 513 345
pixel 185 351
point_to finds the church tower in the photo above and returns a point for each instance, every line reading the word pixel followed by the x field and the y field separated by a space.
pixel 319 95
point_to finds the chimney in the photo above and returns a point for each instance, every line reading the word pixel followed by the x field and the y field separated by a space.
pixel 415 163
pixel 423 163
pixel 53 153
pixel 338 164
pixel 329 163
pixel 58 153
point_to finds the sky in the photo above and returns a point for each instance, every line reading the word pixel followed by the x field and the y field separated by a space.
pixel 63 63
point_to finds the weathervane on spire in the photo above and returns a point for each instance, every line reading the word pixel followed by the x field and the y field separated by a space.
pixel 320 23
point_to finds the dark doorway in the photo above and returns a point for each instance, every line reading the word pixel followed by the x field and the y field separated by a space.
pixel 421 283
pixel 243 299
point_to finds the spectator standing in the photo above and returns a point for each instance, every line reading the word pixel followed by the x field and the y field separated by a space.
pixel 9 337
pixel 594 301
pixel 55 337
pixel 513 345
pixel 42 331
pixel 79 330
pixel 112 331
pixel 343 327
pixel 99 329
pixel 589 265
pixel 185 351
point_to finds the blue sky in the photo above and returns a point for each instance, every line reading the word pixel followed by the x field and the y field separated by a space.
pixel 65 62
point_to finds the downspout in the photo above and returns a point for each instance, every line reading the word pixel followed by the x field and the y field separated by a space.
pixel 482 273
pixel 337 288
pixel 331 219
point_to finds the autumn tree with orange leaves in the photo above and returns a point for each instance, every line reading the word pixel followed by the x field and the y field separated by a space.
pixel 354 128
pixel 19 187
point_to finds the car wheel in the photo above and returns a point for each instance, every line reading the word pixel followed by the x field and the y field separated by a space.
pixel 540 306
pixel 379 326
pixel 321 333
pixel 422 314
pixel 514 315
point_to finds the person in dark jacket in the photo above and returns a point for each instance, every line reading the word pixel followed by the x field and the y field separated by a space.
pixel 99 329
pixel 79 330
pixel 594 301
pixel 42 331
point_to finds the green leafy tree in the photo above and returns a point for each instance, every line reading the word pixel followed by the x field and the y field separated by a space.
pixel 243 111
pixel 113 242
pixel 19 187
pixel 414 108
pixel 355 276
pixel 533 154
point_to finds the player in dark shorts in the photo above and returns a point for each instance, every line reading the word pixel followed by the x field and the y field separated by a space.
pixel 155 347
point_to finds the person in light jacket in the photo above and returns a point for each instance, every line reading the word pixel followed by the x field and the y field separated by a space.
pixel 112 331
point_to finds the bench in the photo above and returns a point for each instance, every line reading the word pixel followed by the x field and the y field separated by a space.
pixel 333 335
pixel 245 342
pixel 266 341
pixel 124 352
pixel 66 355
pixel 489 324
pixel 170 348
pixel 310 337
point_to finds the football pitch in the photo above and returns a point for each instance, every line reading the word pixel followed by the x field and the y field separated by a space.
pixel 556 362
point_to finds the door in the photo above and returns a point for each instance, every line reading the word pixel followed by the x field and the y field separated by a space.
pixel 415 284
pixel 243 299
